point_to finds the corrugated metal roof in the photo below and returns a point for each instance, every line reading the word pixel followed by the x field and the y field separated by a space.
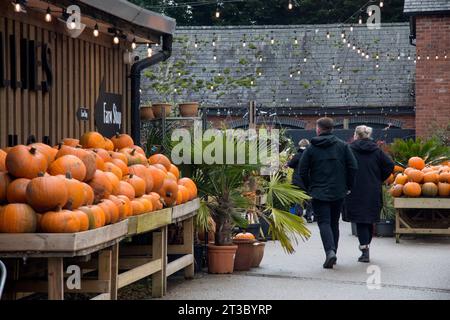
pixel 425 6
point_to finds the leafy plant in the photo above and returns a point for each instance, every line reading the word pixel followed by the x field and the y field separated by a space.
pixel 388 210
pixel 433 151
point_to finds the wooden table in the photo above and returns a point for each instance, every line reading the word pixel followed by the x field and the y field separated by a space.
pixel 56 249
pixel 422 216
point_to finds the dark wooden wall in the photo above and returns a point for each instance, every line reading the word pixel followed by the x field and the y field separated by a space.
pixel 79 65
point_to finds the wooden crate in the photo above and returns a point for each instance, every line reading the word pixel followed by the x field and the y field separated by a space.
pixel 422 203
pixel 185 211
pixel 149 221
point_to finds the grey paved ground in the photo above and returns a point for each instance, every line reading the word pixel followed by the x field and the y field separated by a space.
pixel 414 269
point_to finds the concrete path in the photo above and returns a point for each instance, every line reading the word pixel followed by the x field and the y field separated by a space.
pixel 414 269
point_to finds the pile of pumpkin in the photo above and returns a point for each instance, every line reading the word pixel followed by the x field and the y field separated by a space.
pixel 420 180
pixel 84 184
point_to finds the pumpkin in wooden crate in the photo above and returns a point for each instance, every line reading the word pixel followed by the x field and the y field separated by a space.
pixel 119 156
pixel 5 181
pixel 137 183
pixel 49 152
pixel 101 185
pixel 114 182
pixel 415 176
pixel 401 179
pixel 169 192
pixel 89 196
pixel 83 218
pixel 444 177
pixel 431 176
pixel 127 204
pixel 25 162
pixel 133 156
pixel 443 189
pixel 17 218
pixel 121 141
pixel 186 195
pixel 47 193
pixel 96 216
pixel 144 173
pixel 192 187
pixel 75 191
pixel 2 161
pixel 429 189
pixel 121 206
pixel 171 176
pixel 148 205
pixel 160 159
pixel 158 177
pixel 17 191
pixel 121 165
pixel 154 198
pixel 103 154
pixel 108 208
pixel 412 189
pixel 60 221
pixel 396 190
pixel 88 159
pixel 111 167
pixel 71 142
pixel 92 140
pixel 109 145
pixel 127 190
pixel 175 171
pixel 68 164
pixel 138 207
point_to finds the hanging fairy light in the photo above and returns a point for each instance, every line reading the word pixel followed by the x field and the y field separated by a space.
pixel 217 13
pixel 351 28
pixel 445 55
pixel 381 4
pixel 149 51
pixel 377 66
pixel 359 50
pixel 290 5
pixel 272 40
pixel 360 20
pixel 195 43
pixel 437 57
pixel 295 40
pixel 260 59
pixel 116 39
pixel 133 44
pixel 244 43
pixel 349 45
pixel 367 56
pixel 399 56
pixel 48 15
pixel 96 31
pixel 328 35
pixel 344 40
pixel 341 80
pixel 370 13
pixel 18 6
pixel 214 40
pixel 343 34
pixel 291 75
pixel 214 57
pixel 333 65
pixel 304 59
pixel 354 47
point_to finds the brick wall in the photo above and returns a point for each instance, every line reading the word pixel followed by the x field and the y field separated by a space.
pixel 432 76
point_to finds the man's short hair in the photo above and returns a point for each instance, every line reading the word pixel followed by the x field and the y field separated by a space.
pixel 325 124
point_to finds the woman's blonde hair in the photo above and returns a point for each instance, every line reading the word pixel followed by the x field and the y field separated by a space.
pixel 304 143
pixel 363 132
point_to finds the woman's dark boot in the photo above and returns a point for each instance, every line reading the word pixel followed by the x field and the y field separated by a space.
pixel 365 257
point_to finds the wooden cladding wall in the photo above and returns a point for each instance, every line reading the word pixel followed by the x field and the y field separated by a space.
pixel 78 65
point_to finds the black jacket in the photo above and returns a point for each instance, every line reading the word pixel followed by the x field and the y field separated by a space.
pixel 293 163
pixel 365 202
pixel 327 168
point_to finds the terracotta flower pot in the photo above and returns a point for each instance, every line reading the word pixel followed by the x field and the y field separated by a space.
pixel 244 255
pixel 147 113
pixel 259 253
pixel 188 109
pixel 221 258
pixel 159 108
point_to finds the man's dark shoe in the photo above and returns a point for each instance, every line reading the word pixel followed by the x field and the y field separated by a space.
pixel 365 256
pixel 330 261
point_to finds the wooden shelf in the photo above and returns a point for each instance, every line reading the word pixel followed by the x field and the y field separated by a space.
pixel 185 211
pixel 422 203
pixel 149 221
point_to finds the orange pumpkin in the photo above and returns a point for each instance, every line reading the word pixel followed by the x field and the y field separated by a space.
pixel 408 170
pixel 111 167
pixel 121 206
pixel 60 221
pixel 160 159
pixel 128 209
pixel 431 177
pixel 92 140
pixel 71 142
pixel 179 197
pixel 429 189
pixel 245 236
pixel 96 216
pixel 83 218
pixel 175 171
pixel 169 192
pixel 155 200
pixel 444 177
pixel 89 196
pixel 49 152
pixel 122 165
pixel 148 205
pixel 47 193
pixel 144 173
pixel 139 150
pixel 103 154
pixel 121 141
pixel 109 145
pixel 5 181
pixel 126 189
pixel 17 218
pixel 412 189
pixel 17 191
pixel 76 193
pixel 396 190
pixel 138 207
pixel 114 182
pixel 25 162
pixel 88 159
pixel 444 189
pixel 188 183
pixel 111 211
pixel 2 161
pixel 68 164
pixel 99 163
pixel 401 179
pixel 160 167
pixel 415 176
pixel 133 157
pixel 101 185
pixel 119 156
pixel 416 163
pixel 158 177
pixel 398 169
pixel 137 183
pixel 186 195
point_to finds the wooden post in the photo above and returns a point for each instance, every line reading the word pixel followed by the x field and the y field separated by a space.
pixel 55 279
pixel 188 241
pixel 104 266
pixel 114 271
pixel 157 253
pixel 164 231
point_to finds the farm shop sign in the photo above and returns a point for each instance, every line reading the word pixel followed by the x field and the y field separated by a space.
pixel 108 112
pixel 28 56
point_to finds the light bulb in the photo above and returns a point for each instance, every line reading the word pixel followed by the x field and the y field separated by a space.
pixel 195 44
pixel 343 34
pixel 291 75
pixel 73 25
pixel 214 57
pixel 377 56
pixel 290 5
pixel 304 59
pixel 437 57
pixel 367 56
pixel 259 73
pixel 351 29
pixel 149 52
pixel 409 57
pixel 260 59
pixel 398 57
pixel 299 72
pixel 377 66
pixel 214 43
pixel 360 20
pixel 428 57
pixel 133 44
pixel 340 80
pixel 217 14
pixel 116 39
pixel 359 50
pixel 17 7
pixel 48 15
pixel 349 45
pixel 328 35
pixel 96 32
pixel 244 44
pixel 272 41
pixel 333 66
pixel 344 40
pixel 381 4
pixel 370 13
pixel 418 58
pixel 354 47
pixel 295 41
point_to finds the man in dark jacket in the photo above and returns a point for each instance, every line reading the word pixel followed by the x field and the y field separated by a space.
pixel 327 169
pixel 297 181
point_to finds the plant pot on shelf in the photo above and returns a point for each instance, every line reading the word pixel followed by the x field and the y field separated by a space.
pixel 161 108
pixel 385 228
pixel 221 258
pixel 188 109
pixel 147 113
pixel 258 253
pixel 244 254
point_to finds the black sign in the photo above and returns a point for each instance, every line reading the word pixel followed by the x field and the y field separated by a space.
pixel 83 114
pixel 108 112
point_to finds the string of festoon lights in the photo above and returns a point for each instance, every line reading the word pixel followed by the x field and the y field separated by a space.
pixel 21 6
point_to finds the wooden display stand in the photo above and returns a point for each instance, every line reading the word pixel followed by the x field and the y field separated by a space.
pixel 55 249
pixel 422 216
